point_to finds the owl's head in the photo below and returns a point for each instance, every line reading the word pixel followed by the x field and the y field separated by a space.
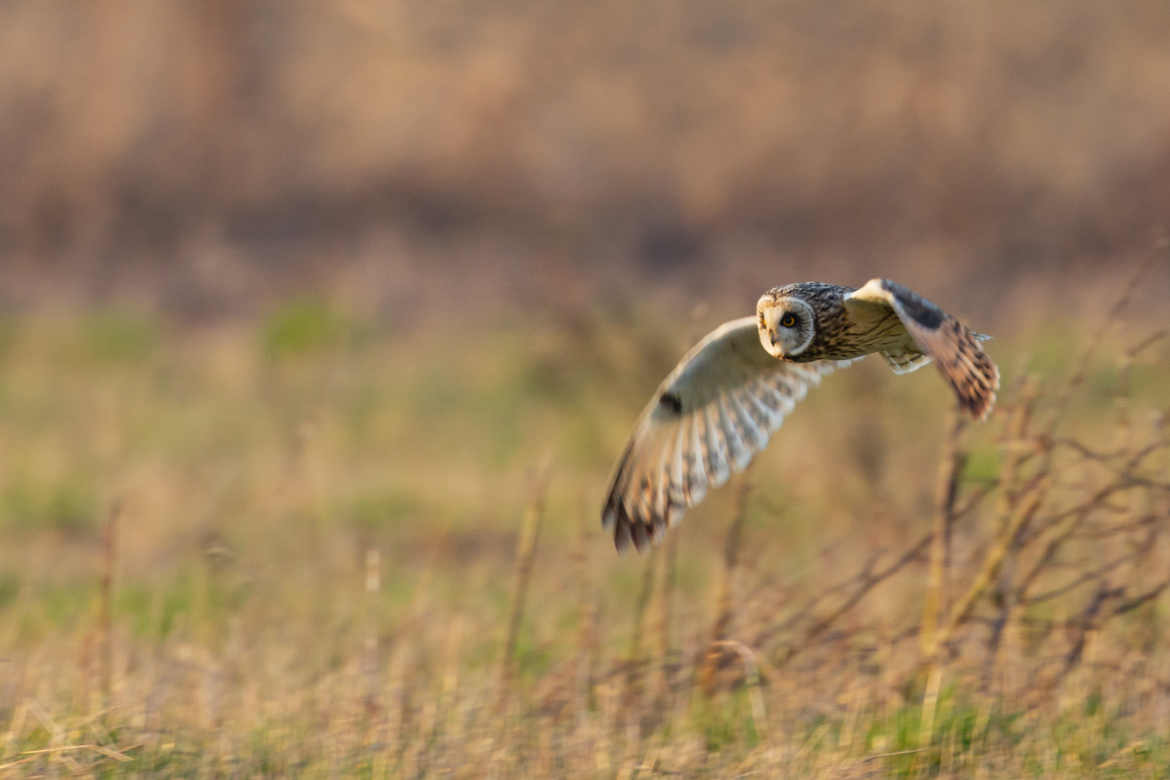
pixel 786 323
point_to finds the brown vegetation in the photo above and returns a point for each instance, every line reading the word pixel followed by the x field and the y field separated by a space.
pixel 277 622
pixel 318 340
pixel 206 154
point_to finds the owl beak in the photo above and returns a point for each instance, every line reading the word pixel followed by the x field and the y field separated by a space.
pixel 765 309
pixel 777 347
pixel 769 343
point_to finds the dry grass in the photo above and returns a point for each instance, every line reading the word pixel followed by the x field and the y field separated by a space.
pixel 332 555
pixel 358 533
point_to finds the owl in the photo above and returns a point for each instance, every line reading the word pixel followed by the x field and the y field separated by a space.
pixel 731 391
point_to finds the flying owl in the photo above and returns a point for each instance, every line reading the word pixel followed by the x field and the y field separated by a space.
pixel 726 397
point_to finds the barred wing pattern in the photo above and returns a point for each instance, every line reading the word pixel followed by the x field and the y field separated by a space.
pixel 952 345
pixel 708 418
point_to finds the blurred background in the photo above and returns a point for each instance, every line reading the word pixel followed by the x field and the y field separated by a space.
pixel 204 156
pixel 297 299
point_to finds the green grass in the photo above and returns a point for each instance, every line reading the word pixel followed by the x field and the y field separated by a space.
pixel 68 508
pixel 303 327
pixel 258 466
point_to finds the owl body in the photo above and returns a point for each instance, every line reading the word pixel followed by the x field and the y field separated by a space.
pixel 837 333
pixel 732 390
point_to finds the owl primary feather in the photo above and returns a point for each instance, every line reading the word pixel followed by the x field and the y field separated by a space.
pixel 731 391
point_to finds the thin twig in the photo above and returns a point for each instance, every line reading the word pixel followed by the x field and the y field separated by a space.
pixel 724 611
pixel 109 562
pixel 525 555
pixel 947 488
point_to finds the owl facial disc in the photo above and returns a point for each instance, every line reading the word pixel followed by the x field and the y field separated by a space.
pixel 786 324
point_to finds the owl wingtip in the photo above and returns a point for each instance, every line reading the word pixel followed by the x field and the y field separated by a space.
pixel 627 530
pixel 981 411
pixel 982 405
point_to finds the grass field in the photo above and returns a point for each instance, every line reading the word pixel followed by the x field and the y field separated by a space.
pixel 322 325
pixel 315 542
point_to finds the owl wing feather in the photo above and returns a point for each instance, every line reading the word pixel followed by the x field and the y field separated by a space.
pixel 905 360
pixel 708 419
pixel 936 336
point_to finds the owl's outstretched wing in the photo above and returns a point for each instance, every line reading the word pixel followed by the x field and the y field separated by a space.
pixel 708 418
pixel 936 336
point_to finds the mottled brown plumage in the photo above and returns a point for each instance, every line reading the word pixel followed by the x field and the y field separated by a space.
pixel 725 398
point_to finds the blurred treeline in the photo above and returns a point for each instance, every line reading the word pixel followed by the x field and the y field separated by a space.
pixel 206 153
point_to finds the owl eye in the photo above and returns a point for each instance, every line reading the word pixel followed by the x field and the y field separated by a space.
pixel 788 320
